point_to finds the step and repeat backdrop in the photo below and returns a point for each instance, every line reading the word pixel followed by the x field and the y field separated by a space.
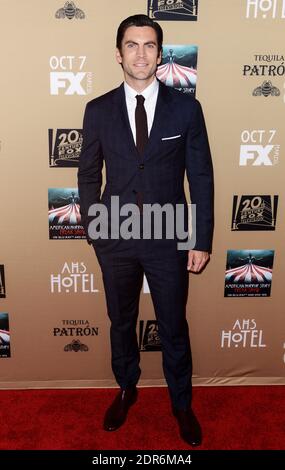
pixel 56 56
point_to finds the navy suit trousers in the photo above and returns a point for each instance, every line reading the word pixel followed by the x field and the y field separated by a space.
pixel 167 277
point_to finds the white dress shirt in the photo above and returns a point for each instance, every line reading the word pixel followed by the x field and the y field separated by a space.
pixel 150 95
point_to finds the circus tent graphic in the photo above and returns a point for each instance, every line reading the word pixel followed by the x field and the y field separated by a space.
pixel 69 214
pixel 4 336
pixel 64 214
pixel 179 67
pixel 249 273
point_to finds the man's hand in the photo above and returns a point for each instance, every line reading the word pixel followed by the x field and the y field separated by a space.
pixel 197 260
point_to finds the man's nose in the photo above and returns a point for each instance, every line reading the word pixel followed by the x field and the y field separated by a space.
pixel 141 51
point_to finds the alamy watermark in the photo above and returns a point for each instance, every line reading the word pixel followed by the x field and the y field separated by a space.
pixel 155 221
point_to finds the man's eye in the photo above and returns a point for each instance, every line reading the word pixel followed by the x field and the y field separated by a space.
pixel 130 45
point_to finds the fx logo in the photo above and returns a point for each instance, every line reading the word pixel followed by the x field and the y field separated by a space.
pixel 69 81
pixel 67 74
pixel 258 153
pixel 257 147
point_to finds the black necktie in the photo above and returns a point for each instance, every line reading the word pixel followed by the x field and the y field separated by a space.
pixel 141 124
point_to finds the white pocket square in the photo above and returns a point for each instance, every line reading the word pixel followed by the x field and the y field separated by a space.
pixel 172 137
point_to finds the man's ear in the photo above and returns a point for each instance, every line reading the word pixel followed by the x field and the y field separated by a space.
pixel 159 58
pixel 118 56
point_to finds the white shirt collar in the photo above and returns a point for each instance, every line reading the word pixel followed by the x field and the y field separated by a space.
pixel 148 93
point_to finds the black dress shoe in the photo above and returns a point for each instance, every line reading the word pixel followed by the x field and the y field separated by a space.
pixel 116 414
pixel 189 427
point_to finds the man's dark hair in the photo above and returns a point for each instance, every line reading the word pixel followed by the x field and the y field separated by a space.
pixel 139 20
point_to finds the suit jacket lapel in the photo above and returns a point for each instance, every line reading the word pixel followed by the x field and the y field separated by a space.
pixel 121 120
pixel 162 115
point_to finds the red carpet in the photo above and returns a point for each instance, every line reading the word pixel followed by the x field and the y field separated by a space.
pixel 231 418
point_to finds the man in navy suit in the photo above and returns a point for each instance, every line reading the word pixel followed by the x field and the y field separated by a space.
pixel 148 135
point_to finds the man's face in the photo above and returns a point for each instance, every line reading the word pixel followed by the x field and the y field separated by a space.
pixel 139 54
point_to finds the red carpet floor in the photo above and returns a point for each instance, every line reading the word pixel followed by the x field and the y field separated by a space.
pixel 231 418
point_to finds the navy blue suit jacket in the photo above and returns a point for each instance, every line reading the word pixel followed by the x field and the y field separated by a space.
pixel 107 137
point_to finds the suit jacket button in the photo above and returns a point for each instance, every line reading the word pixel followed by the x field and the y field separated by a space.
pixel 141 167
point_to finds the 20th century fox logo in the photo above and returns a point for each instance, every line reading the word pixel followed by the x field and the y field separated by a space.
pixel 149 339
pixel 64 147
pixel 254 212
pixel 173 10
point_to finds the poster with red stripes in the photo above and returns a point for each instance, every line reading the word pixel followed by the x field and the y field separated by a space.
pixel 64 214
pixel 178 68
pixel 249 273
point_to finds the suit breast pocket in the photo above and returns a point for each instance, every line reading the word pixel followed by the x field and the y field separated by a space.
pixel 171 138
pixel 171 142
